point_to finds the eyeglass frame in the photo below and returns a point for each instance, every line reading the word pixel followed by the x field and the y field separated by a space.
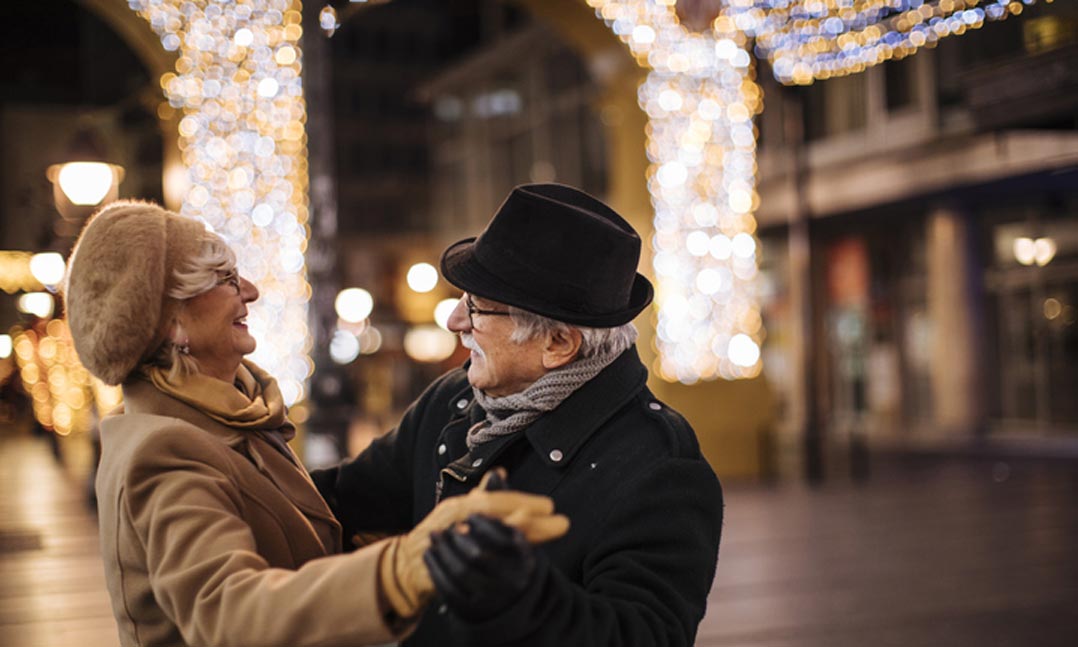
pixel 473 310
pixel 229 277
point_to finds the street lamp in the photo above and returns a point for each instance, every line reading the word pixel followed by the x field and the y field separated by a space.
pixel 85 178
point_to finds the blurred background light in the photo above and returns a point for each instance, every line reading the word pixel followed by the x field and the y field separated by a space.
pixel 700 97
pixel 85 183
pixel 244 148
pixel 422 277
pixel 343 347
pixel 39 304
pixel 370 340
pixel 429 343
pixel 442 312
pixel 354 304
pixel 48 267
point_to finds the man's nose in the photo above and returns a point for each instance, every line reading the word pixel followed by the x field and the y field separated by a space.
pixel 458 319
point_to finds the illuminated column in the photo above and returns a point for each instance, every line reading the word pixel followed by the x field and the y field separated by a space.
pixel 700 99
pixel 237 82
pixel 952 296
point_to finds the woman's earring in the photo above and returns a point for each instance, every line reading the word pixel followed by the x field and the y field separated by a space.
pixel 183 347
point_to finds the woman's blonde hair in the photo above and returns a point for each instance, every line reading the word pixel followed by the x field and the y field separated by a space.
pixel 198 275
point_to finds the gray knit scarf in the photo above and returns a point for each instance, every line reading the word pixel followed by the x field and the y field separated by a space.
pixel 509 414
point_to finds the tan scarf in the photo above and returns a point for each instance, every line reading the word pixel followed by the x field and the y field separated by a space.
pixel 255 404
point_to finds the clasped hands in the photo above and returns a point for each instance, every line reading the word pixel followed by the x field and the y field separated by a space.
pixel 479 566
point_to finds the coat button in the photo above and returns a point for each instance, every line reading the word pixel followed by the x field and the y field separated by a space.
pixel 556 455
pixel 655 406
pixel 442 449
pixel 477 462
pixel 462 403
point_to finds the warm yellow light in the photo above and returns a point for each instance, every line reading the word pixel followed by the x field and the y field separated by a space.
pixel 1052 309
pixel 85 183
pixel 48 267
pixel 1044 250
pixel 429 343
pixel 5 346
pixel 1025 251
pixel 354 304
pixel 370 340
pixel 422 277
pixel 39 304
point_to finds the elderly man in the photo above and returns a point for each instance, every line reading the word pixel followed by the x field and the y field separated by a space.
pixel 555 393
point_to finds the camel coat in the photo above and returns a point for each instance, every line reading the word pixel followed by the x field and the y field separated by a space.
pixel 216 536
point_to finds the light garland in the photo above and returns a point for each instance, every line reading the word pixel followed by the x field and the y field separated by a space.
pixel 700 97
pixel 806 40
pixel 243 140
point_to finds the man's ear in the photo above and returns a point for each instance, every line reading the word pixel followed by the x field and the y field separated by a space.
pixel 562 347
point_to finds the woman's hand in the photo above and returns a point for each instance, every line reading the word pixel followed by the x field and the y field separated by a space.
pixel 404 577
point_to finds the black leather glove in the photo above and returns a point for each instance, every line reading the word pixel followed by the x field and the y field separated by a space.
pixel 482 569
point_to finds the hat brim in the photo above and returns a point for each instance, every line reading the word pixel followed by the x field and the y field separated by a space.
pixel 460 268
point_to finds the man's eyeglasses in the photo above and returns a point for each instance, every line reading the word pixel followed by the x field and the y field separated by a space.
pixel 473 310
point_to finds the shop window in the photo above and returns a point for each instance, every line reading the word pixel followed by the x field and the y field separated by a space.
pixel 1032 309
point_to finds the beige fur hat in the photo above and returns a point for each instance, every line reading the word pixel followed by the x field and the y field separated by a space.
pixel 118 278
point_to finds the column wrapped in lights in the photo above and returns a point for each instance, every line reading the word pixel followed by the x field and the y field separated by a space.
pixel 243 141
pixel 807 40
pixel 700 97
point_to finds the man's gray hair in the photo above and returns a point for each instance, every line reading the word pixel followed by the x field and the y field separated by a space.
pixel 594 341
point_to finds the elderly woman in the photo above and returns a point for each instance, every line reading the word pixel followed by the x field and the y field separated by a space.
pixel 211 530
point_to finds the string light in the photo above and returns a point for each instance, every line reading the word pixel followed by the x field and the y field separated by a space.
pixel 700 97
pixel 63 394
pixel 243 140
pixel 807 40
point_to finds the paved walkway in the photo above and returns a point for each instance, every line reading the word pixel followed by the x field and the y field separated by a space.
pixel 52 586
pixel 938 553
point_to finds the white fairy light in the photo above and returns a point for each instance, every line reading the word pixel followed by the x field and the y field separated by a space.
pixel 700 98
pixel 237 82
pixel 806 40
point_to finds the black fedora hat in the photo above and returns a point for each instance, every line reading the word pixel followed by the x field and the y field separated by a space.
pixel 555 251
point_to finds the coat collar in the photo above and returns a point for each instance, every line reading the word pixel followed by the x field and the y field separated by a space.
pixel 284 470
pixel 558 435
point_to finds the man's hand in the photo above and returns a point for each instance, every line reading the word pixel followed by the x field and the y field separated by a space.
pixel 481 569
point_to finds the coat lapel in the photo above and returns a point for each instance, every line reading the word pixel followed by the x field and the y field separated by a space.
pixel 284 472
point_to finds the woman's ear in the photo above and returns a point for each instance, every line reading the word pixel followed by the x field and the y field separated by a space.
pixel 562 347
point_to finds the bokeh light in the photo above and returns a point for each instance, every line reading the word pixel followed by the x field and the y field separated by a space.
pixel 422 277
pixel 700 97
pixel 354 304
pixel 237 83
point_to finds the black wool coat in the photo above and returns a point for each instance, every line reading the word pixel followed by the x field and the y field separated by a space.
pixel 645 510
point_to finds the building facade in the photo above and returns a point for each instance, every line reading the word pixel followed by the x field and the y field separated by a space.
pixel 920 231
